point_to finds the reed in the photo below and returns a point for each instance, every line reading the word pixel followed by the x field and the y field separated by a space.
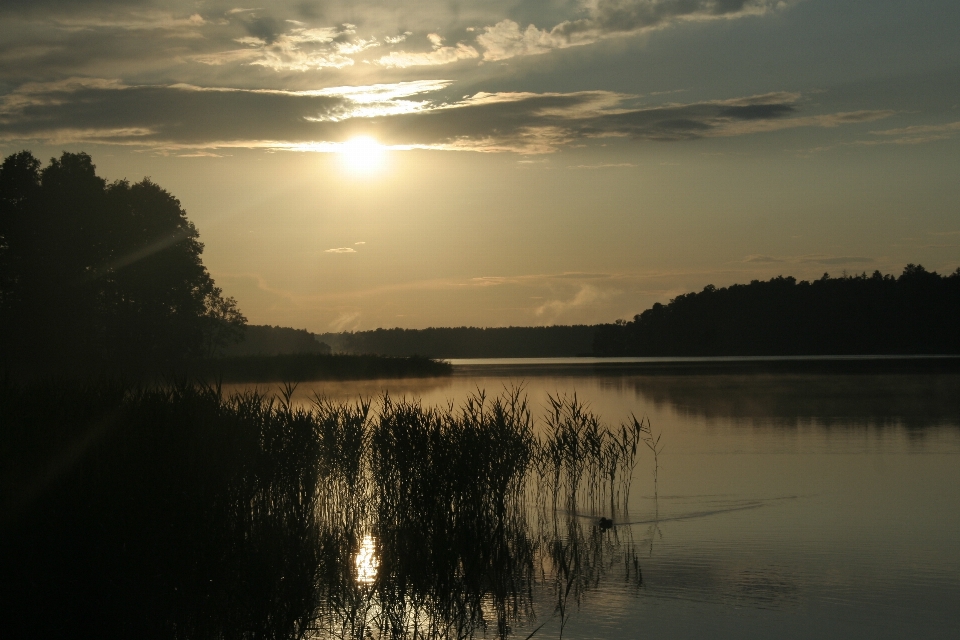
pixel 584 461
pixel 178 512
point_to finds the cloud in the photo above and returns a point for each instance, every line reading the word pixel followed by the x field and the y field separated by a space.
pixel 610 18
pixel 145 39
pixel 605 165
pixel 835 260
pixel 297 49
pixel 586 295
pixel 341 250
pixel 400 115
pixel 439 54
pixel 263 28
pixel 131 21
pixel 808 259
pixel 507 40
pixel 397 39
pixel 917 134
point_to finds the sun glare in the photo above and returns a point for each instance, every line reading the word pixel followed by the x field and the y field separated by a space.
pixel 362 155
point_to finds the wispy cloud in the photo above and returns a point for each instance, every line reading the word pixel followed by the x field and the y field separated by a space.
pixel 299 48
pixel 834 260
pixel 611 18
pixel 586 295
pixel 133 21
pixel 807 259
pixel 603 165
pixel 439 54
pixel 341 250
pixel 917 134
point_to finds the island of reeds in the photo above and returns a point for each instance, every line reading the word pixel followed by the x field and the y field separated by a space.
pixel 179 512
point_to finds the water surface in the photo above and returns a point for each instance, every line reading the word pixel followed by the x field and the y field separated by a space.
pixel 787 505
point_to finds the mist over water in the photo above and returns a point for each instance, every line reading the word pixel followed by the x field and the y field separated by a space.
pixel 786 505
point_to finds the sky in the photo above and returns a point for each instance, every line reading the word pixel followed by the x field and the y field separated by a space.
pixel 354 165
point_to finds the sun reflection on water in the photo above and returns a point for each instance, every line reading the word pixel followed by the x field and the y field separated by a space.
pixel 366 561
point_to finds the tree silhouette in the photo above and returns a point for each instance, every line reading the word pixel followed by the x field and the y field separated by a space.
pixel 861 314
pixel 97 276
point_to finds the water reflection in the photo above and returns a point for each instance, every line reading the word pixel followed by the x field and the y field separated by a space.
pixel 790 505
pixel 444 523
pixel 366 561
pixel 449 579
pixel 788 400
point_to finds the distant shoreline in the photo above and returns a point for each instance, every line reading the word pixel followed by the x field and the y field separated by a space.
pixel 829 364
pixel 304 367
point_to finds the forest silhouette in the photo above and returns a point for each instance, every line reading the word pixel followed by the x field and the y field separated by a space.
pixel 98 277
pixel 915 313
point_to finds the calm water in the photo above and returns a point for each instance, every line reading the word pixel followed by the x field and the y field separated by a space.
pixel 789 506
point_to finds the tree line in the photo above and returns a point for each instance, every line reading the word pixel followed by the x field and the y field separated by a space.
pixel 467 342
pixel 98 276
pixel 264 340
pixel 915 313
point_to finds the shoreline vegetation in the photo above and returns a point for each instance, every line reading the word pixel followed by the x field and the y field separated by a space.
pixel 179 512
pixel 914 313
pixel 303 367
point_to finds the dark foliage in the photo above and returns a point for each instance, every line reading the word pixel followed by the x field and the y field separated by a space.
pixel 172 513
pixel 878 314
pixel 97 276
pixel 177 512
pixel 468 342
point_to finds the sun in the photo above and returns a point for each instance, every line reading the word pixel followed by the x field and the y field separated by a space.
pixel 362 155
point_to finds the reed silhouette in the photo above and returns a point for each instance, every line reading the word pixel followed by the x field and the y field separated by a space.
pixel 179 512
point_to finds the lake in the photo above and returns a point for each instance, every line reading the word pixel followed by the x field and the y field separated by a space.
pixel 787 505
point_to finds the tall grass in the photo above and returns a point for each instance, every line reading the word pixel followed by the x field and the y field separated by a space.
pixel 178 512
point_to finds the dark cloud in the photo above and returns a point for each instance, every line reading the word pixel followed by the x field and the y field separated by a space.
pixel 529 123
pixel 757 111
pixel 68 6
pixel 264 27
pixel 128 41
pixel 631 15
pixel 165 115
